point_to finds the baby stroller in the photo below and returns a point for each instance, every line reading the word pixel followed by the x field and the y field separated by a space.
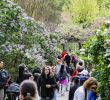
pixel 12 92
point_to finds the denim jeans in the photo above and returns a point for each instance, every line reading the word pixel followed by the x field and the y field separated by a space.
pixel 1 94
pixel 55 94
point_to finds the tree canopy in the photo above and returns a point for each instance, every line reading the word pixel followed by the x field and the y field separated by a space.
pixel 43 10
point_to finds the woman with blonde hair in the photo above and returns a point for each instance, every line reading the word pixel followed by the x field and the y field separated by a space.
pixel 28 90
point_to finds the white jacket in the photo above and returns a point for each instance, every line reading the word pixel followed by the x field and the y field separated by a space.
pixel 79 93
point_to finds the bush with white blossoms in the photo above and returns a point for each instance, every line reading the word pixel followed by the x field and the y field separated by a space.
pixel 98 49
pixel 21 38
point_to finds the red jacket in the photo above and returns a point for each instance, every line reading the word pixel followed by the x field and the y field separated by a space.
pixel 63 54
pixel 75 72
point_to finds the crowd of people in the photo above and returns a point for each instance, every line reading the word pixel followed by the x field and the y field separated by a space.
pixel 69 74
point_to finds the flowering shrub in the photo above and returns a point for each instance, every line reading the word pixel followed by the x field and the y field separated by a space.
pixel 96 48
pixel 21 38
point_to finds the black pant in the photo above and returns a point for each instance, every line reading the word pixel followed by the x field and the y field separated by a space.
pixel 46 98
pixel 68 64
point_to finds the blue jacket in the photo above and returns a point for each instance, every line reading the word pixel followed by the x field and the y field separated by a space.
pixel 92 95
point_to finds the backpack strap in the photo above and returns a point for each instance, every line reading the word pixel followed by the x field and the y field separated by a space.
pixel 85 94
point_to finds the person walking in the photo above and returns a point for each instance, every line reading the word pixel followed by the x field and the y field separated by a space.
pixel 67 59
pixel 53 75
pixel 63 80
pixel 22 69
pixel 28 90
pixel 46 84
pixel 82 92
pixel 4 76
pixel 73 88
pixel 58 66
pixel 74 60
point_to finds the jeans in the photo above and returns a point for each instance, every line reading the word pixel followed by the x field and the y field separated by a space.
pixel 62 88
pixel 55 94
pixel 1 94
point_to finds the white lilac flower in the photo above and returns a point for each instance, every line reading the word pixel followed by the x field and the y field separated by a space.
pixel 109 66
pixel 24 29
pixel 5 48
pixel 82 50
pixel 1 35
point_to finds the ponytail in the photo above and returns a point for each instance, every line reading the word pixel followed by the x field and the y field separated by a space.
pixel 28 97
pixel 28 90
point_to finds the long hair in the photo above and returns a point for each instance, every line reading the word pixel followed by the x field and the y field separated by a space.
pixel 89 82
pixel 62 69
pixel 43 71
pixel 28 89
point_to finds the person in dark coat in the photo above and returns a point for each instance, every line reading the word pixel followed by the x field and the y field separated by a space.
pixel 46 84
pixel 52 74
pixel 36 70
pixel 74 60
pixel 74 87
pixel 22 69
pixel 67 59
pixel 4 75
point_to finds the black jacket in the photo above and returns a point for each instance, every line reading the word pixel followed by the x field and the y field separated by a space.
pixel 67 58
pixel 72 91
pixel 43 91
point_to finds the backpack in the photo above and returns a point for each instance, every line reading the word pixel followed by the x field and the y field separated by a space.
pixel 82 79
pixel 62 76
pixel 3 78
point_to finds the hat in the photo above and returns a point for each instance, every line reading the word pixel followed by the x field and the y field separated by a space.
pixel 84 72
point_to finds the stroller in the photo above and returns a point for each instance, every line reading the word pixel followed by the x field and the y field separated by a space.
pixel 12 92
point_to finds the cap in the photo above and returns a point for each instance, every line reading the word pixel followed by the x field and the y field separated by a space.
pixel 84 72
